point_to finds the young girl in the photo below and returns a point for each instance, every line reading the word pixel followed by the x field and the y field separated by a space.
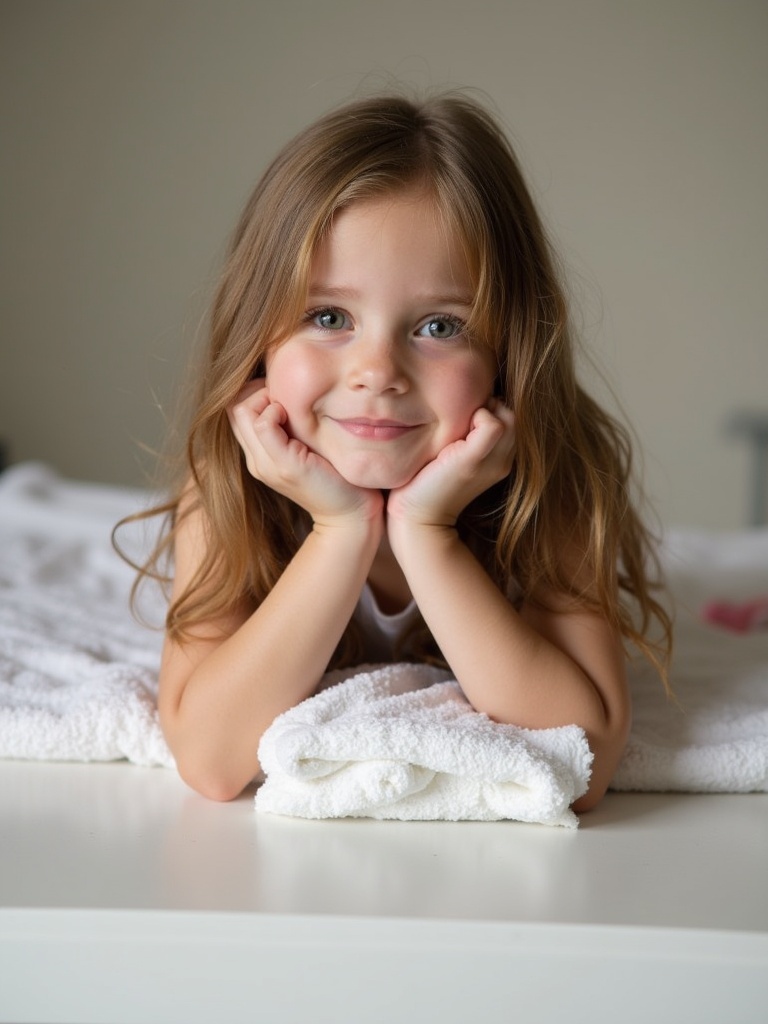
pixel 390 457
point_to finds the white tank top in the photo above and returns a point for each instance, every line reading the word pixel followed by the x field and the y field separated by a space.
pixel 382 631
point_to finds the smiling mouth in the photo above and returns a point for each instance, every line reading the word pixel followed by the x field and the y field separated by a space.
pixel 376 430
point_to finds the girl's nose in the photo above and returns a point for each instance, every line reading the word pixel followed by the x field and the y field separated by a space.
pixel 376 365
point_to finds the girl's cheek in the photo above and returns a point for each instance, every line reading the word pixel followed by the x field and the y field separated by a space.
pixel 290 389
pixel 283 374
pixel 295 381
pixel 471 389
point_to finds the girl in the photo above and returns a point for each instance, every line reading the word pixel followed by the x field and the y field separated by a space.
pixel 390 457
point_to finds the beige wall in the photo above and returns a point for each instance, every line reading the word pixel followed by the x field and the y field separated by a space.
pixel 133 131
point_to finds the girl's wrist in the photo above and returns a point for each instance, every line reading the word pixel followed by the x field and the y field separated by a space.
pixel 361 528
pixel 408 537
pixel 364 511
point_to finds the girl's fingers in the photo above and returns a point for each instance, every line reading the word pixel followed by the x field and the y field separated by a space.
pixel 272 455
pixel 491 431
pixel 500 412
pixel 251 401
pixel 462 470
pixel 505 414
pixel 270 435
pixel 272 414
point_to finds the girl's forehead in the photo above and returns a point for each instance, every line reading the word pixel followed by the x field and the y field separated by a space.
pixel 407 230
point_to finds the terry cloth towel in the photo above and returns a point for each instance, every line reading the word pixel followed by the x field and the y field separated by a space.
pixel 713 738
pixel 401 741
pixel 78 676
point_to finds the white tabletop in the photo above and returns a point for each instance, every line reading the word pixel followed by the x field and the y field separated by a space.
pixel 114 856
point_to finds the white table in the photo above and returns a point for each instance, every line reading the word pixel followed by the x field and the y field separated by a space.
pixel 126 897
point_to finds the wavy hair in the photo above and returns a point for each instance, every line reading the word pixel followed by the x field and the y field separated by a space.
pixel 570 489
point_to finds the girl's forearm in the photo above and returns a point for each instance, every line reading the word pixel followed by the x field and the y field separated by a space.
pixel 507 668
pixel 271 662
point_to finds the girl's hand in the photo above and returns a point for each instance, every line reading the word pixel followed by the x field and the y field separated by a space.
pixel 289 467
pixel 463 470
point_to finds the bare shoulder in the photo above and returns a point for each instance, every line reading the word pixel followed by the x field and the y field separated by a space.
pixel 190 542
pixel 181 656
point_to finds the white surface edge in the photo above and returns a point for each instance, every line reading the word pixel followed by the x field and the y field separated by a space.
pixel 125 966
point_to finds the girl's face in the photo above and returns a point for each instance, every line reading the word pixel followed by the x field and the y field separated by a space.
pixel 379 375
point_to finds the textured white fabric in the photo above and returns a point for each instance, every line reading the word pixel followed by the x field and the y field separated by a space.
pixel 401 741
pixel 713 738
pixel 78 676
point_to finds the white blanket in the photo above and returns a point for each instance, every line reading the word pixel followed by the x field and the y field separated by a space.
pixel 78 676
pixel 714 737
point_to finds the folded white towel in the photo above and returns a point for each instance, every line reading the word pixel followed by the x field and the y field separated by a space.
pixel 401 741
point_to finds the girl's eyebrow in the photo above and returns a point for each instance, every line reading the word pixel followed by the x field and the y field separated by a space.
pixel 427 299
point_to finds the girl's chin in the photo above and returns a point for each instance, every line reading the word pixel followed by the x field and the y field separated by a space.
pixel 377 478
pixel 371 482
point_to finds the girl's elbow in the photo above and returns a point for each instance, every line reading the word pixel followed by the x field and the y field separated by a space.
pixel 590 800
pixel 608 749
pixel 213 784
pixel 211 774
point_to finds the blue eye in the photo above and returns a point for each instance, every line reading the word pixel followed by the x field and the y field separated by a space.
pixel 328 319
pixel 442 328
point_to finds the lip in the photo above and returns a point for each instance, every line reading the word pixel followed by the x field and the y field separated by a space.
pixel 374 429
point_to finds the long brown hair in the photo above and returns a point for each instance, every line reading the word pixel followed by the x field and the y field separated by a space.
pixel 570 488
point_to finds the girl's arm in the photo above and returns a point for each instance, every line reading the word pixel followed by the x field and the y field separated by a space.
pixel 545 666
pixel 221 689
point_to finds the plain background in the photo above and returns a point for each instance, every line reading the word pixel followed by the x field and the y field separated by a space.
pixel 133 132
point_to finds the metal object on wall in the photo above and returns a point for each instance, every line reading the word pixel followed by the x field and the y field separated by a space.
pixel 754 426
